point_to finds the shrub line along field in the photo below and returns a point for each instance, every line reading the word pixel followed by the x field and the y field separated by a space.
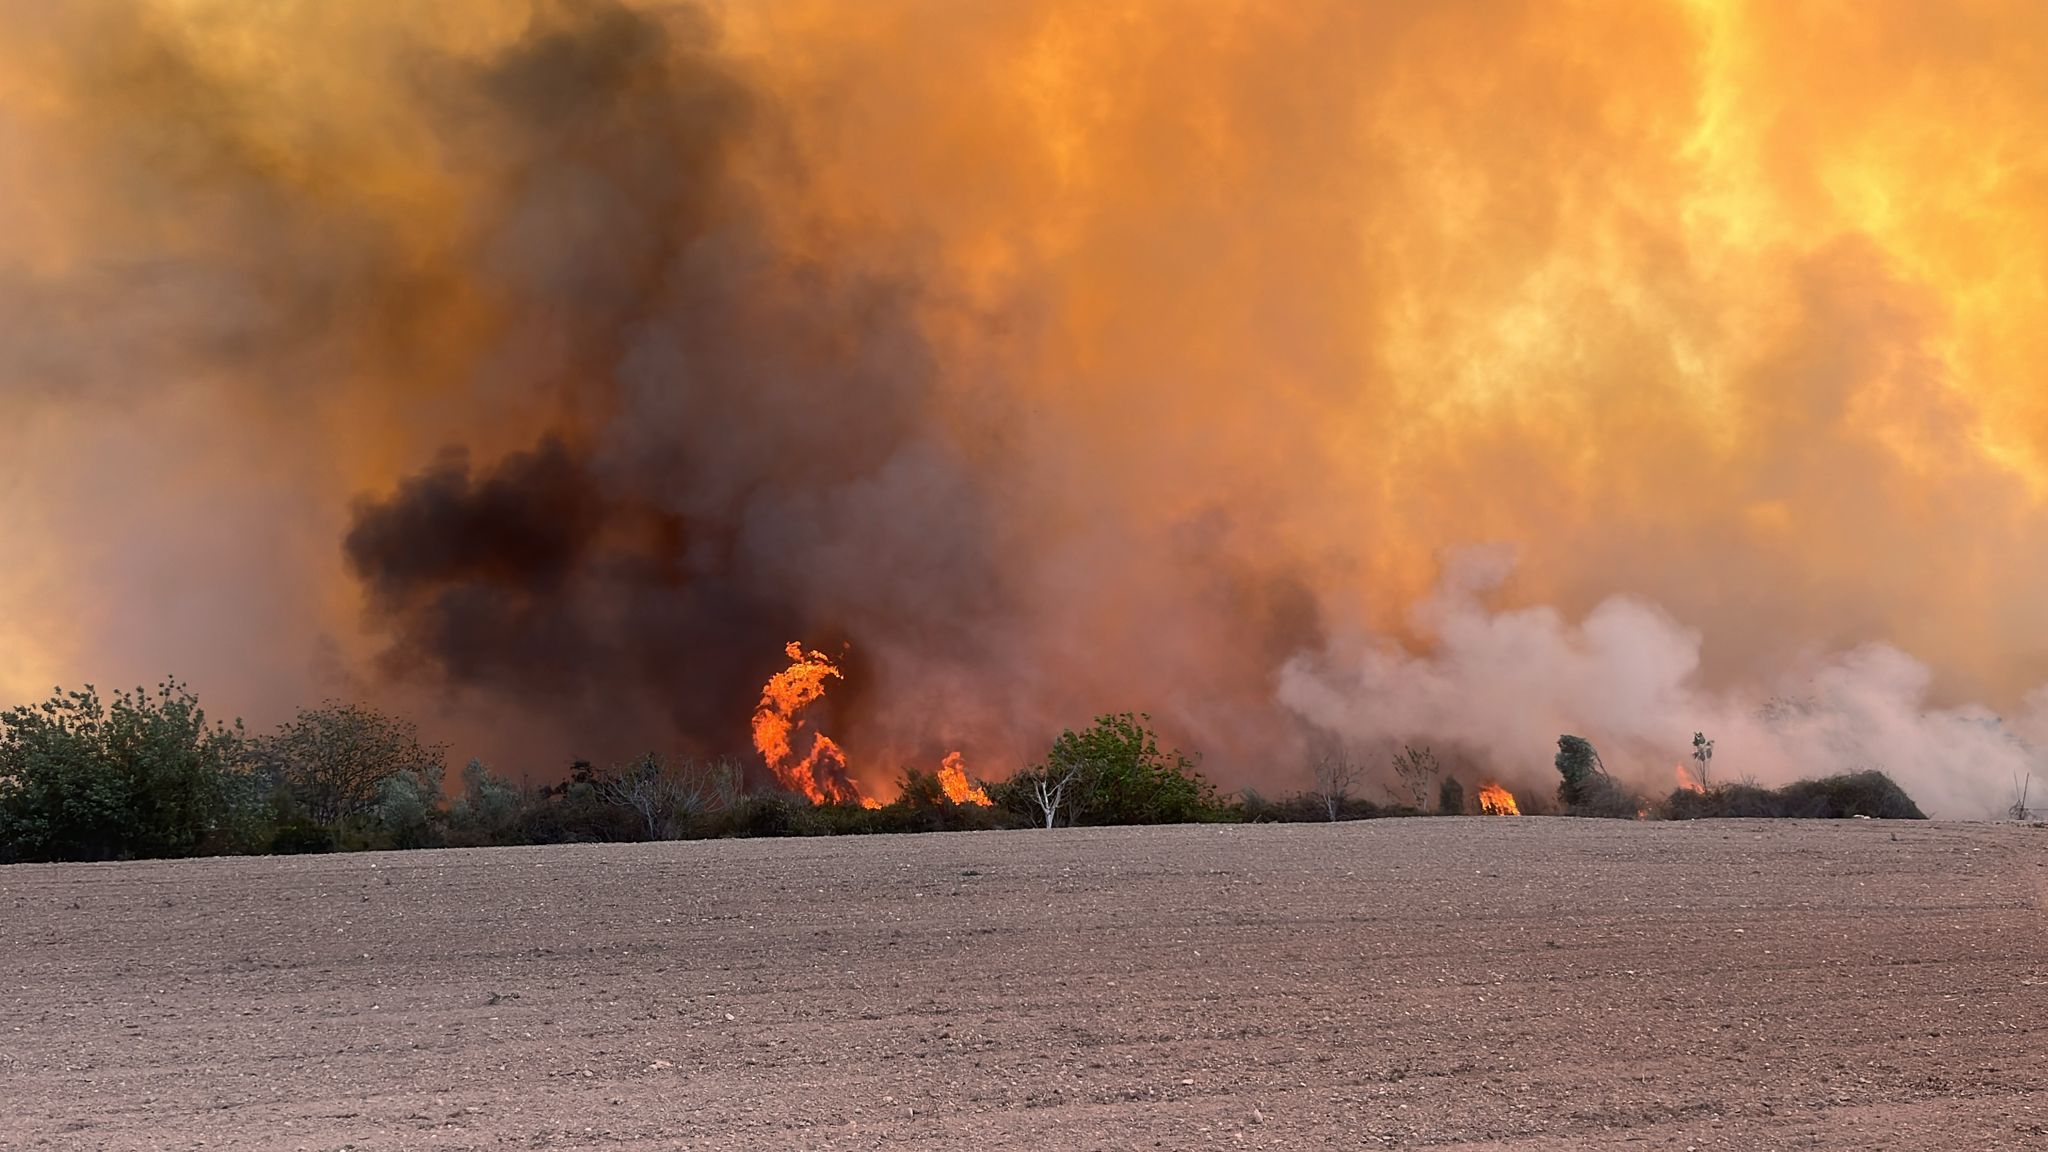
pixel 1466 982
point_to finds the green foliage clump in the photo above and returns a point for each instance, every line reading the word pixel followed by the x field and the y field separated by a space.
pixel 923 806
pixel 1579 764
pixel 334 762
pixel 489 810
pixel 769 814
pixel 142 775
pixel 1725 800
pixel 1868 793
pixel 1587 789
pixel 299 836
pixel 408 812
pixel 1113 772
pixel 573 812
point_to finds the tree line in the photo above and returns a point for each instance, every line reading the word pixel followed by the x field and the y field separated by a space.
pixel 146 774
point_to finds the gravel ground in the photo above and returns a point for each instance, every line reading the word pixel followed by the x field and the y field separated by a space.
pixel 1472 983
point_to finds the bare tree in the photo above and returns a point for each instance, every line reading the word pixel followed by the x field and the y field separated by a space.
pixel 727 783
pixel 1417 769
pixel 1703 754
pixel 1335 771
pixel 663 796
pixel 2019 810
pixel 1049 790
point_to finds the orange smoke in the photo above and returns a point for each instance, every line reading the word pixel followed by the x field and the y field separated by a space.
pixel 1495 800
pixel 1066 356
pixel 953 778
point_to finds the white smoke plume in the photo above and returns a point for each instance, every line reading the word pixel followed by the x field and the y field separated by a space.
pixel 1500 685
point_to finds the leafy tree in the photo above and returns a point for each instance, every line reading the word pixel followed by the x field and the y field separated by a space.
pixel 1113 773
pixel 408 808
pixel 188 780
pixel 1579 764
pixel 489 809
pixel 334 761
pixel 1587 789
pixel 82 778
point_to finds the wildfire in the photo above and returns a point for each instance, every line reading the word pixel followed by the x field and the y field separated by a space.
pixel 821 774
pixel 1495 800
pixel 953 778
pixel 1687 782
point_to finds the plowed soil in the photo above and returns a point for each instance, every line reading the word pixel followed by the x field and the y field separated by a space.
pixel 1472 983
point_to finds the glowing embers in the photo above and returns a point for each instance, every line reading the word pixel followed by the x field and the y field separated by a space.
pixel 1495 800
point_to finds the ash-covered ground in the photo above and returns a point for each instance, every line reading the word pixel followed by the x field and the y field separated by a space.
pixel 1469 983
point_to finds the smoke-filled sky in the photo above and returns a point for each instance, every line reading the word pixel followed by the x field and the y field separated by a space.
pixel 1461 373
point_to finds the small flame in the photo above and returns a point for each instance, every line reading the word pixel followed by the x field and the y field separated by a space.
pixel 1688 782
pixel 1495 800
pixel 953 778
pixel 821 774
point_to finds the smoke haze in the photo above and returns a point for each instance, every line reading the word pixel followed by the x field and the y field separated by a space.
pixel 1464 373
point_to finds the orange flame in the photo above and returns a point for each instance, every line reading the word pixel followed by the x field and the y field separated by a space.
pixel 953 778
pixel 1688 782
pixel 1495 800
pixel 821 774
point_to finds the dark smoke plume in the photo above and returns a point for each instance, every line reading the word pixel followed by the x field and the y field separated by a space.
pixel 541 367
pixel 738 452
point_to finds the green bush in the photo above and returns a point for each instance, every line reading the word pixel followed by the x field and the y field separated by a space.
pixel 921 805
pixel 1116 774
pixel 490 809
pixel 1868 793
pixel 336 759
pixel 573 812
pixel 1727 800
pixel 142 775
pixel 772 814
pixel 299 836
pixel 1587 789
pixel 408 812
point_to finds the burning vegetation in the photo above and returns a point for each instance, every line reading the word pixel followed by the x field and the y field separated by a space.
pixel 556 361
pixel 959 789
pixel 1495 800
pixel 141 774
pixel 820 774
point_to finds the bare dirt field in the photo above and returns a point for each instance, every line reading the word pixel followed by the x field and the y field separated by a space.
pixel 1473 983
